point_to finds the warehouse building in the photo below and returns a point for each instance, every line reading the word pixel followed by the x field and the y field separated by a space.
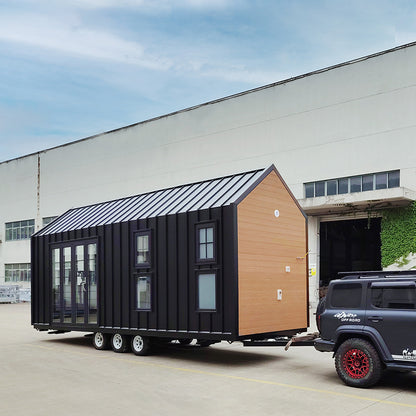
pixel 343 139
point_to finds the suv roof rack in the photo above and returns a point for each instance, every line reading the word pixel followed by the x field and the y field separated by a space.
pixel 376 274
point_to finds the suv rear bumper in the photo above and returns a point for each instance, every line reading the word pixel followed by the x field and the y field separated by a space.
pixel 323 345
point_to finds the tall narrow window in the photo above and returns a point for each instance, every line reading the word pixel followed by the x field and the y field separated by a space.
pixel 206 295
pixel 56 284
pixel 143 252
pixel 205 243
pixel 143 292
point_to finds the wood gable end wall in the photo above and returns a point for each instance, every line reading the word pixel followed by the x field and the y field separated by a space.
pixel 266 245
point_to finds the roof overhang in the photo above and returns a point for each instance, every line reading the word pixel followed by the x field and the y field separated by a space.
pixel 358 201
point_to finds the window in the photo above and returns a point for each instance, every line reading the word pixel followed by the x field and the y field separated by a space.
pixel 309 190
pixel 205 242
pixel 143 252
pixel 381 180
pixel 331 187
pixel 143 292
pixel 206 292
pixel 346 296
pixel 394 179
pixel 359 183
pixel 394 297
pixel 319 188
pixel 19 230
pixel 355 184
pixel 343 186
pixel 19 272
pixel 368 182
pixel 47 220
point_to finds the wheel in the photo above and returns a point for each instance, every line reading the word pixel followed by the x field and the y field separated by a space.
pixel 101 341
pixel 185 341
pixel 140 345
pixel 119 343
pixel 357 363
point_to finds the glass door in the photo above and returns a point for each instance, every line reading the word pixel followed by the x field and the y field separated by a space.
pixel 74 283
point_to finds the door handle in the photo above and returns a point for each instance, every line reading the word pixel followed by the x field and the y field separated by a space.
pixel 375 318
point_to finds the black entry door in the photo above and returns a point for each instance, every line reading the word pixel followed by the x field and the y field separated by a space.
pixel 74 283
pixel 350 245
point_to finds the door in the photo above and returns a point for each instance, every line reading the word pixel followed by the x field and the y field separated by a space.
pixel 74 283
pixel 392 312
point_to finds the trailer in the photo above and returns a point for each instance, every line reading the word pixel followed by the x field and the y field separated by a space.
pixel 220 259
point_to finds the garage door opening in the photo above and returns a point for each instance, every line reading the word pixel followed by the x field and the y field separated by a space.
pixel 352 245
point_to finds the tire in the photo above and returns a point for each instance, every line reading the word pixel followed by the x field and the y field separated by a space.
pixel 358 363
pixel 119 343
pixel 101 341
pixel 140 345
pixel 319 309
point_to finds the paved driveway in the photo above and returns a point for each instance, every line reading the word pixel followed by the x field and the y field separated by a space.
pixel 43 374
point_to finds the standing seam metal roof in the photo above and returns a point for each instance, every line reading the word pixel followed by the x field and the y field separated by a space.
pixel 180 199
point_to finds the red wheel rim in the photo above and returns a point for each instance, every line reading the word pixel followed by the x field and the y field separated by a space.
pixel 356 363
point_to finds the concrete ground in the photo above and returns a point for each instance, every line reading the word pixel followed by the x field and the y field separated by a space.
pixel 43 374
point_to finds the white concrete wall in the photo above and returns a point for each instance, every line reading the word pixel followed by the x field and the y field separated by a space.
pixel 354 119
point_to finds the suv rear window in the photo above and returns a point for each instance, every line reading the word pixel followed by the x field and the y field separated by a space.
pixel 393 297
pixel 346 295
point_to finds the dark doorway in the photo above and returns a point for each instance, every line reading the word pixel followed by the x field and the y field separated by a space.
pixel 351 245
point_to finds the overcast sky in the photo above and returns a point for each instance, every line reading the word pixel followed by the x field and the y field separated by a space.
pixel 70 69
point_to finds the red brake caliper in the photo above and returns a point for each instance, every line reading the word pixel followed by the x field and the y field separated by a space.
pixel 355 363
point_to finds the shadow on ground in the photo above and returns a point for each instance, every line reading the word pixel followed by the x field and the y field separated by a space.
pixel 214 354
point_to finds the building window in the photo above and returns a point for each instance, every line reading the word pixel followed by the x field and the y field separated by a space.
pixel 143 251
pixel 206 291
pixel 19 230
pixel 359 183
pixel 47 220
pixel 343 186
pixel 309 190
pixel 205 242
pixel 19 272
pixel 381 180
pixel 394 179
pixel 331 187
pixel 368 182
pixel 143 292
pixel 355 184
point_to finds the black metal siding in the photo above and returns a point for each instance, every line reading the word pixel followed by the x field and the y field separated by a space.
pixel 173 271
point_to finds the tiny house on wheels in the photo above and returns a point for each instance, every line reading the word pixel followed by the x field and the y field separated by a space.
pixel 221 259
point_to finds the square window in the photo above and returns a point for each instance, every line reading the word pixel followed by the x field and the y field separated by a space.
pixel 394 179
pixel 355 184
pixel 381 180
pixel 143 251
pixel 309 190
pixel 343 186
pixel 368 182
pixel 205 251
pixel 206 288
pixel 143 292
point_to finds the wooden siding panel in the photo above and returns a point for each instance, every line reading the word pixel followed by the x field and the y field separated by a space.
pixel 266 245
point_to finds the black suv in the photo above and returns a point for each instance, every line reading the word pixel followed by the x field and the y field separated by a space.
pixel 368 320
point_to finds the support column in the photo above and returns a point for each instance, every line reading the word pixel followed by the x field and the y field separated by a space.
pixel 313 262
